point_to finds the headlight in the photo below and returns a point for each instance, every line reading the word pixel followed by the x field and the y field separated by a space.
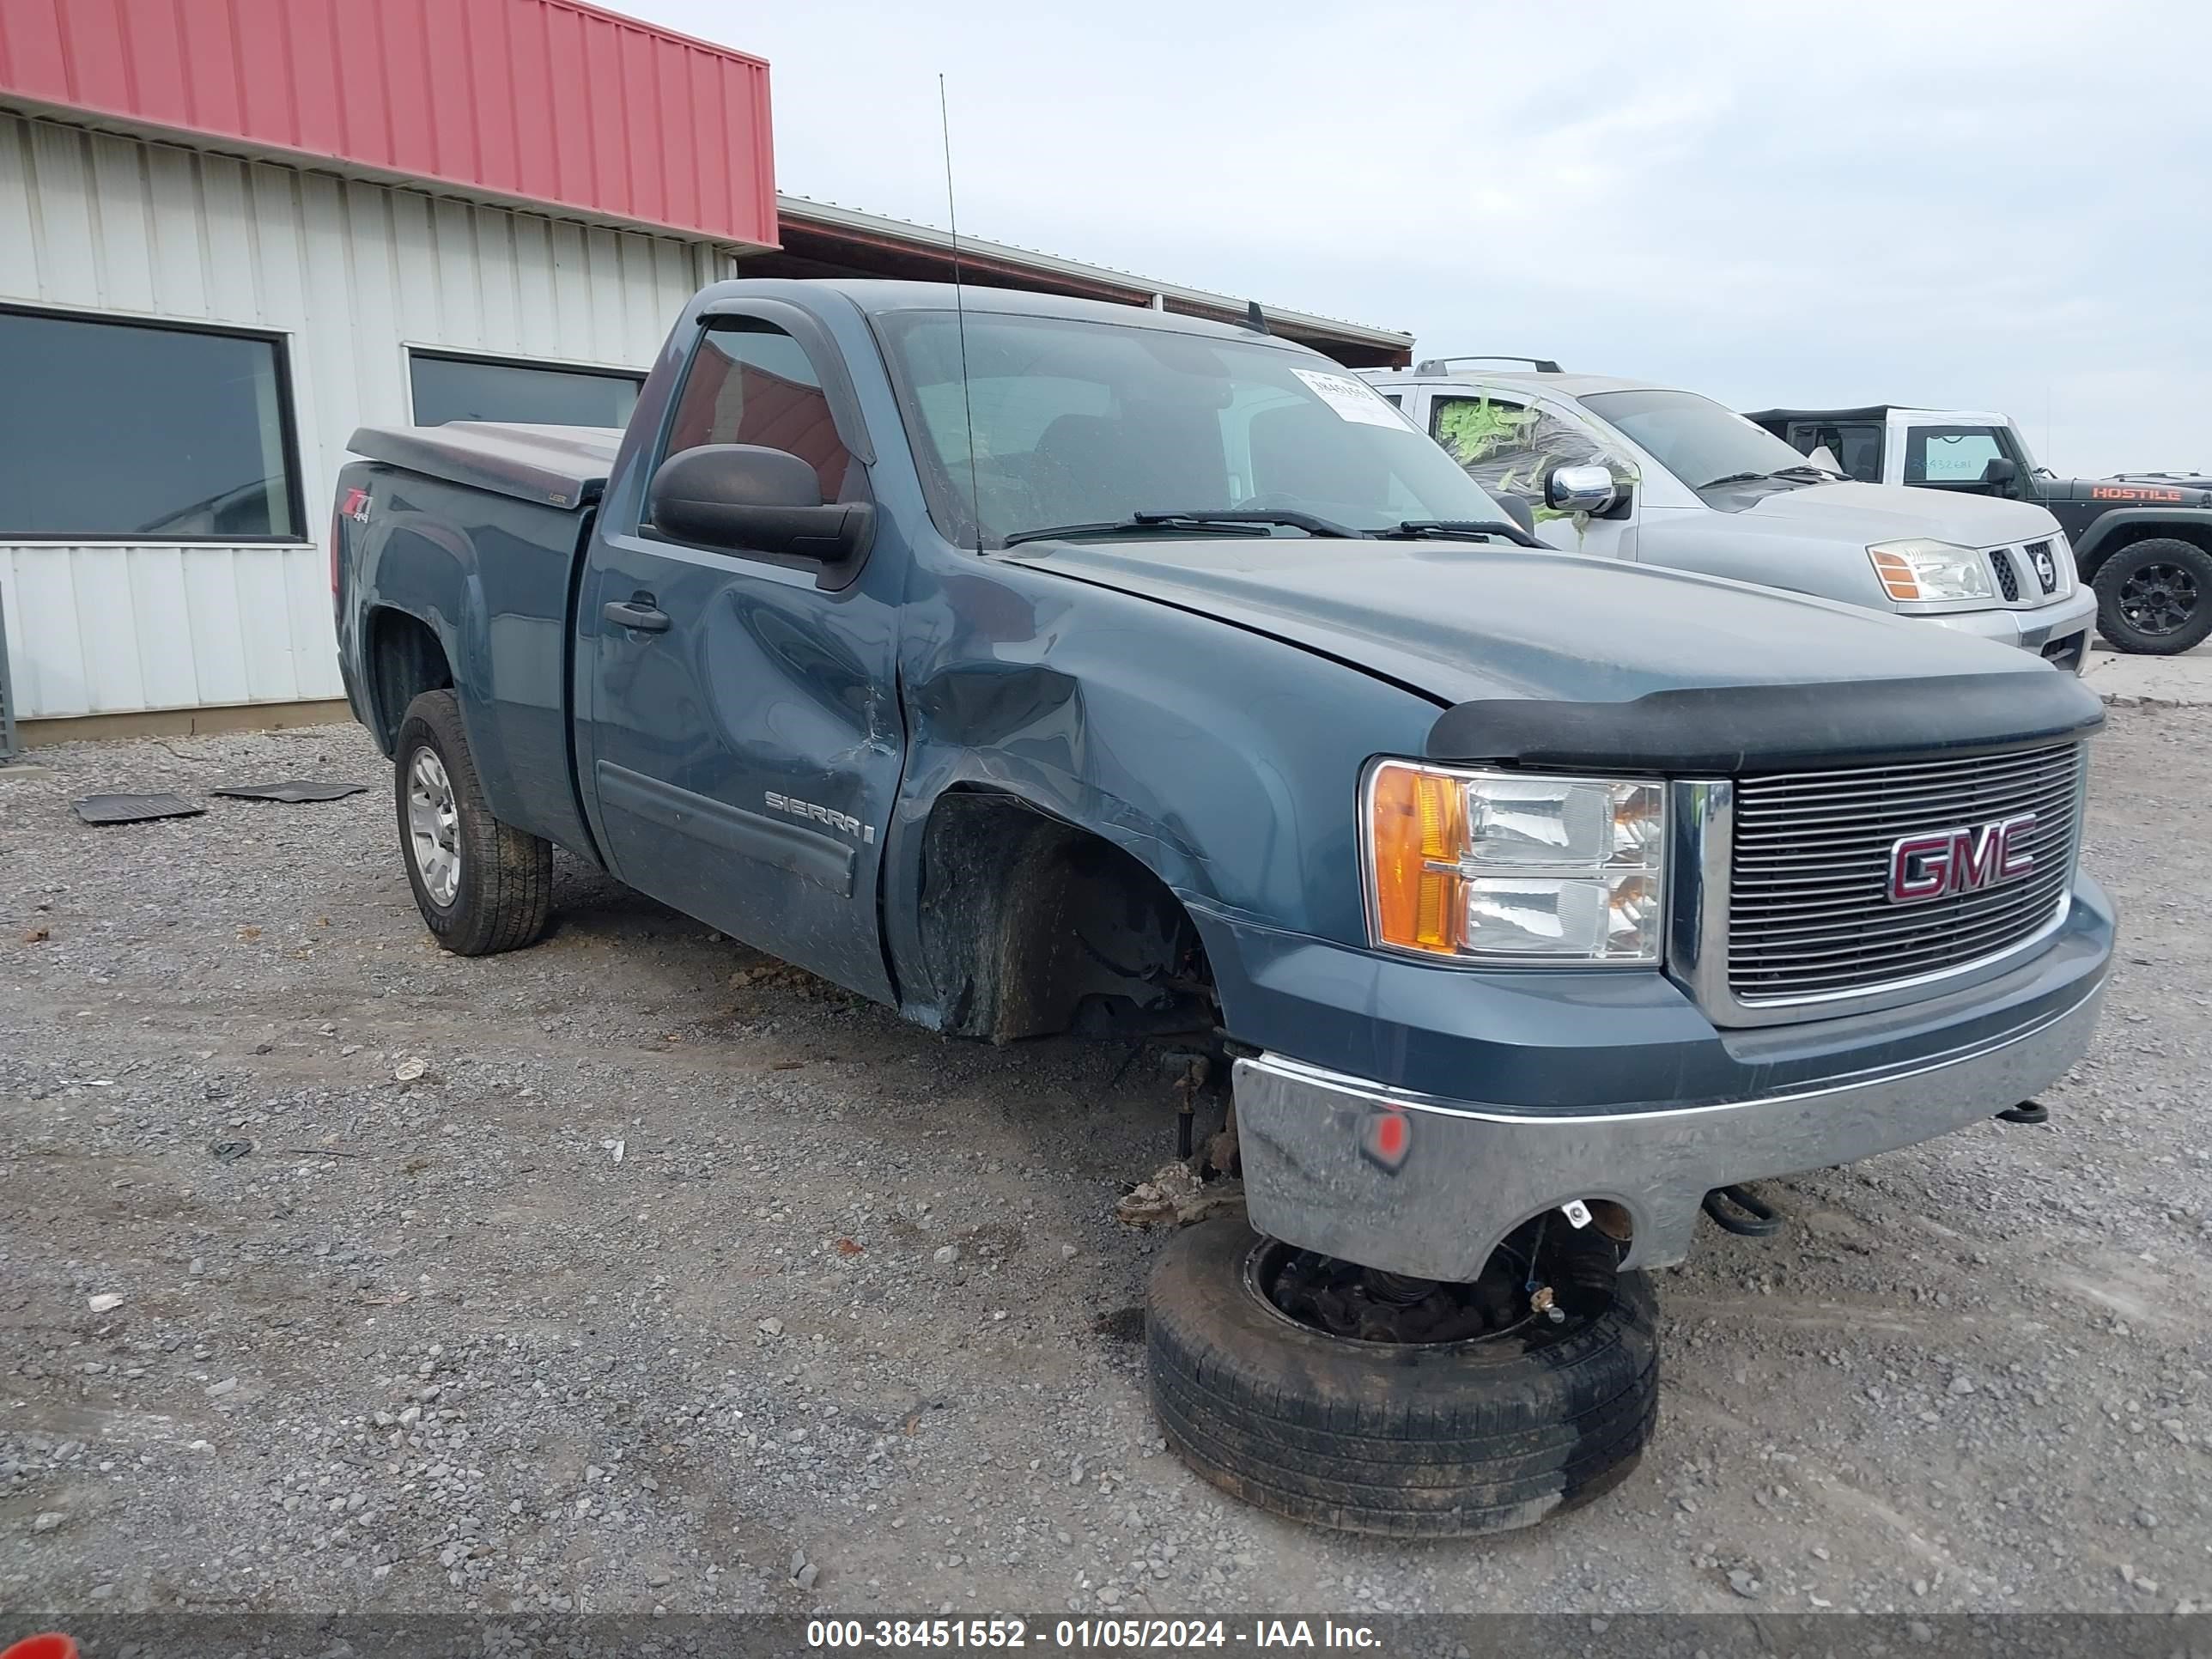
pixel 1922 569
pixel 1510 867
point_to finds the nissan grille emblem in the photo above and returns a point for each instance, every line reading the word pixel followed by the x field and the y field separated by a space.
pixel 1941 862
pixel 2046 569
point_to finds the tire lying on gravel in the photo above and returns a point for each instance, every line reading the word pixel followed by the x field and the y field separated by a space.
pixel 1428 1440
pixel 482 886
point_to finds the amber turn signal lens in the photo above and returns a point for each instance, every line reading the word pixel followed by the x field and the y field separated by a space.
pixel 1899 579
pixel 1419 820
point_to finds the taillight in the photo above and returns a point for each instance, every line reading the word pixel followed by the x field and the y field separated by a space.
pixel 354 504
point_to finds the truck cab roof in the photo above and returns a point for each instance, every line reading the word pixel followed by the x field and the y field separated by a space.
pixel 566 466
pixel 877 296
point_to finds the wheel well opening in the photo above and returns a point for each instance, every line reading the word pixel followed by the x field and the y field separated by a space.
pixel 1031 926
pixel 1608 1218
pixel 2197 535
pixel 404 660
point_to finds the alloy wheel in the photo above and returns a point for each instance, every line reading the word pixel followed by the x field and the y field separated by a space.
pixel 434 827
pixel 2159 598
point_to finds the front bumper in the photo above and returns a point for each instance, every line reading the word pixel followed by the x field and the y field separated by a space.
pixel 1428 1184
pixel 2058 631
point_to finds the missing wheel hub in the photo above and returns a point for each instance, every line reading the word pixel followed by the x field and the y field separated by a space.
pixel 1546 1275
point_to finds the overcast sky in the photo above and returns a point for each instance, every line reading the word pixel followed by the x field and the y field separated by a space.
pixel 2004 205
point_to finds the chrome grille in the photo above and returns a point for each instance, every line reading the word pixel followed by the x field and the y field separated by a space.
pixel 2008 578
pixel 1810 911
pixel 2040 559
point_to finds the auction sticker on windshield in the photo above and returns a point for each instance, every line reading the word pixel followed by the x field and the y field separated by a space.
pixel 1351 398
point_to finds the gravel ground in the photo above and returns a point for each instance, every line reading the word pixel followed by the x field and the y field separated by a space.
pixel 637 1272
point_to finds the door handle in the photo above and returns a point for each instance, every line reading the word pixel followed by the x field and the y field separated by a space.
pixel 638 614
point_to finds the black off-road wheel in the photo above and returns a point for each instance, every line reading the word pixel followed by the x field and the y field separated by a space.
pixel 482 886
pixel 1403 1439
pixel 2154 598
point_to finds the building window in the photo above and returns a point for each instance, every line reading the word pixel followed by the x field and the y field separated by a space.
pixel 449 388
pixel 115 430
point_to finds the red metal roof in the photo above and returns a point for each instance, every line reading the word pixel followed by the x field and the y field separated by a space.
pixel 549 100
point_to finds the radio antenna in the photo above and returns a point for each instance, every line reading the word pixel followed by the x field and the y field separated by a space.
pixel 960 312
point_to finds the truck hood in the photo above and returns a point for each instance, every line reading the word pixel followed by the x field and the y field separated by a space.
pixel 1463 622
pixel 1859 513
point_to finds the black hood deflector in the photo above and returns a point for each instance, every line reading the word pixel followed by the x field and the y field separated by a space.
pixel 1726 730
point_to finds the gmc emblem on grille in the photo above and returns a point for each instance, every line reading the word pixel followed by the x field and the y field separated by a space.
pixel 1948 861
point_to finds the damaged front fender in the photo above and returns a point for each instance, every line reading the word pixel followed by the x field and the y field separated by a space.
pixel 1225 762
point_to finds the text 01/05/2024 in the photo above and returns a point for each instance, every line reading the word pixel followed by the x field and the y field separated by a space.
pixel 1084 1633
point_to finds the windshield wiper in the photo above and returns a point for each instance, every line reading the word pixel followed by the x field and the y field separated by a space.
pixel 1734 478
pixel 1412 530
pixel 1207 522
pixel 1808 470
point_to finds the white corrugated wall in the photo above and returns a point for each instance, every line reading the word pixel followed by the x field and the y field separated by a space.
pixel 351 272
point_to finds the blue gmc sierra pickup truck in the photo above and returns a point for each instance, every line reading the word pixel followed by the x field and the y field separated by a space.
pixel 1034 665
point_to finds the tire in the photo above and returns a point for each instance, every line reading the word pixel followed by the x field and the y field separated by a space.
pixel 2154 579
pixel 1439 1440
pixel 497 895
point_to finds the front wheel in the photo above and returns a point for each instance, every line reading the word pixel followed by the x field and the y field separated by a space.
pixel 2154 598
pixel 482 886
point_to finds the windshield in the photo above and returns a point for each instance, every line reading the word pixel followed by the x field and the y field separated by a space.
pixel 1084 422
pixel 1694 438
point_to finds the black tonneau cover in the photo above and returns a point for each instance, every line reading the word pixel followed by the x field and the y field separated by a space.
pixel 554 466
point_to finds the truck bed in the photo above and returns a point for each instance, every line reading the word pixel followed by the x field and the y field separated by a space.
pixel 485 534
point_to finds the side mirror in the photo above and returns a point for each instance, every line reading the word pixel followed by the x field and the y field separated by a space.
pixel 1580 490
pixel 749 499
pixel 1999 469
pixel 1517 510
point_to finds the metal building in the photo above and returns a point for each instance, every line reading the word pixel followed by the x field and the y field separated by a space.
pixel 232 231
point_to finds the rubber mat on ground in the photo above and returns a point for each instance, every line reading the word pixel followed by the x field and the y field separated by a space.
pixel 291 791
pixel 135 809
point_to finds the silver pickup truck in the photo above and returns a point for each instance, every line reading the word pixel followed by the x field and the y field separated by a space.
pixel 1662 476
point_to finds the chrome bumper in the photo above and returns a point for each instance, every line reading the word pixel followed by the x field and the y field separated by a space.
pixel 1428 1187
pixel 2032 629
